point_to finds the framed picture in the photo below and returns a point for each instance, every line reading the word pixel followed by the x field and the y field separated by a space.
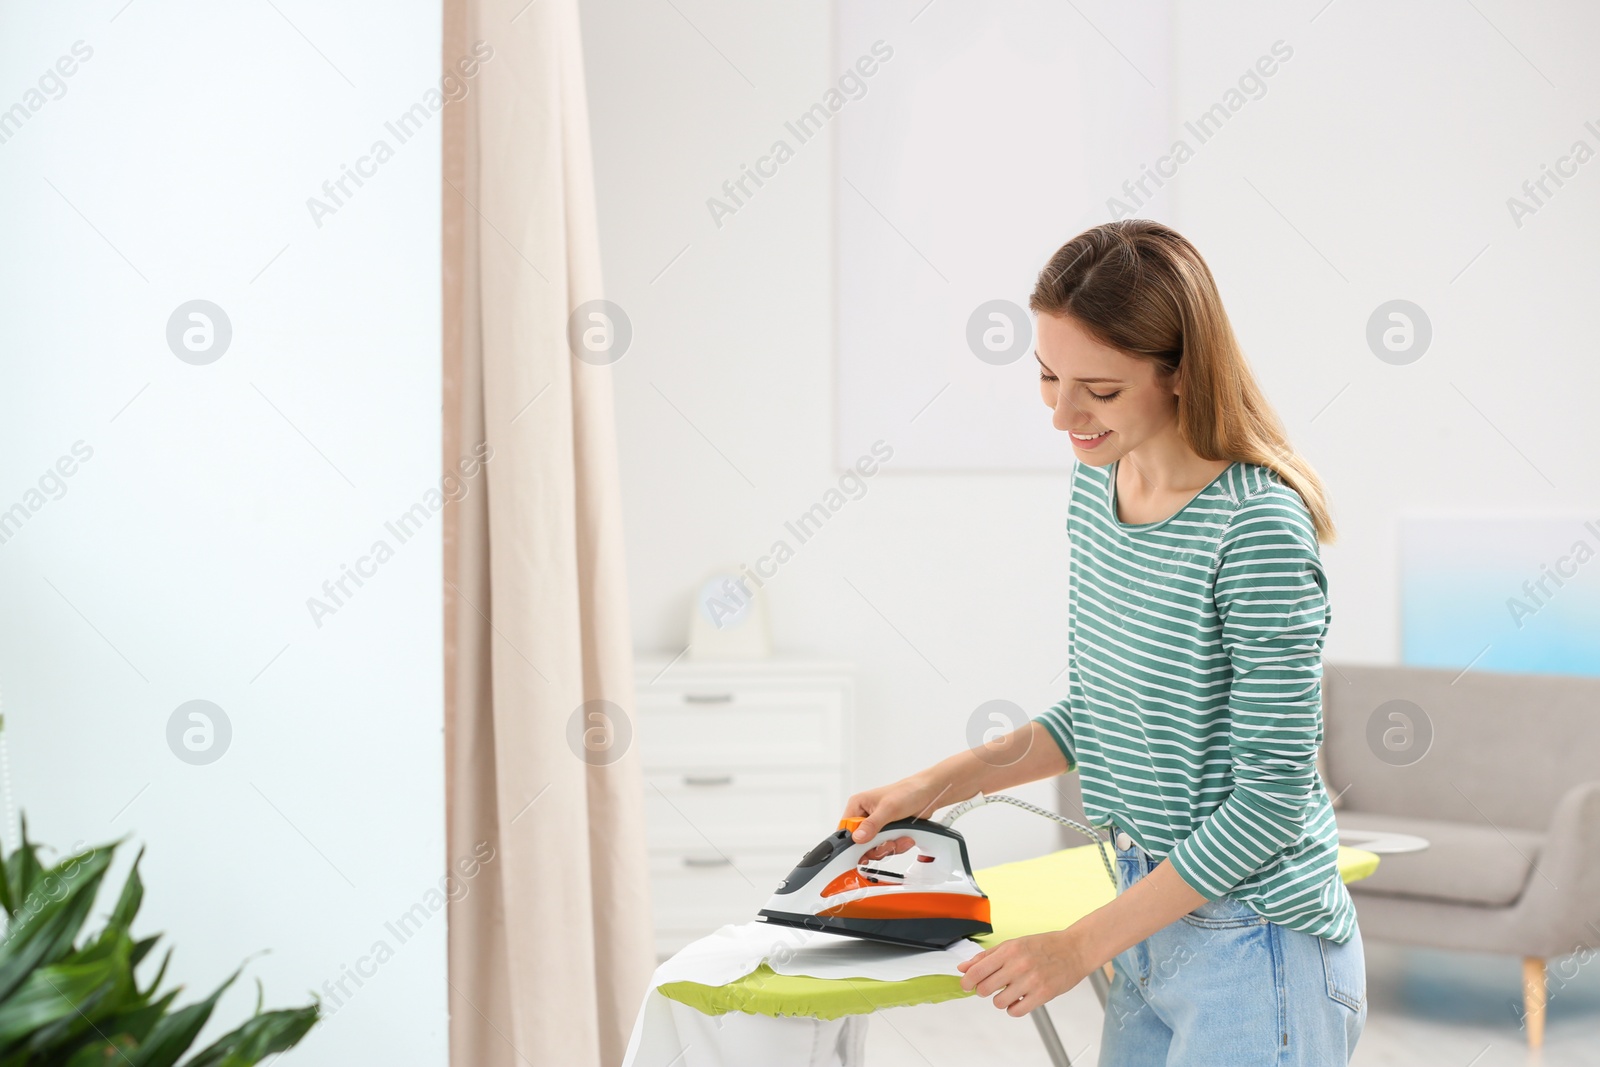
pixel 1501 594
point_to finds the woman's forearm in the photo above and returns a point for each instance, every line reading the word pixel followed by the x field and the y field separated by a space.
pixel 1150 904
pixel 1024 755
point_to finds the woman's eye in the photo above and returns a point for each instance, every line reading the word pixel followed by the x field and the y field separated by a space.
pixel 1105 396
pixel 1043 377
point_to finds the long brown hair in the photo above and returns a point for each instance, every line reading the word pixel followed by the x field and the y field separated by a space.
pixel 1141 287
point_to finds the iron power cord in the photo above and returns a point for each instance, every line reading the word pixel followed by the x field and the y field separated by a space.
pixel 957 810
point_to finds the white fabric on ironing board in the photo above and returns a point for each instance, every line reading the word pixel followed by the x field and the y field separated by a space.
pixel 670 1034
pixel 735 949
pixel 666 1029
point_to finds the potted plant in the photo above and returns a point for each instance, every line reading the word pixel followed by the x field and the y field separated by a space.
pixel 66 1004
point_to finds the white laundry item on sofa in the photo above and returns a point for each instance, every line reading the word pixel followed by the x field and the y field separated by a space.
pixel 667 1032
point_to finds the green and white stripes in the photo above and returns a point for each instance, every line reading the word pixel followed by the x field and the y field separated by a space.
pixel 1194 710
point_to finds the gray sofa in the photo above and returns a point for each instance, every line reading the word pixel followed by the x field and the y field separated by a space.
pixel 1501 774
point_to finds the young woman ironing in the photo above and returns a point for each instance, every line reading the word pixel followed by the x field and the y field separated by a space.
pixel 1197 614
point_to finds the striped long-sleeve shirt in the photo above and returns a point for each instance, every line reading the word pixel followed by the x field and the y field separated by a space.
pixel 1194 708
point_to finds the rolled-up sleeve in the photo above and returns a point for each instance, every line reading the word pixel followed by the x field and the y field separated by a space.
pixel 1058 720
pixel 1271 598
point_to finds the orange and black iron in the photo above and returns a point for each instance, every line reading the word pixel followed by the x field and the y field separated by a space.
pixel 921 895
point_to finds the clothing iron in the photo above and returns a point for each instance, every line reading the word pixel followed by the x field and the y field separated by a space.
pixel 923 896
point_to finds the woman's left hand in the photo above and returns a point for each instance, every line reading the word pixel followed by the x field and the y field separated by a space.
pixel 1024 972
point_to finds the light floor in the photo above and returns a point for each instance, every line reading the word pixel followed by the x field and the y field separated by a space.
pixel 1424 1007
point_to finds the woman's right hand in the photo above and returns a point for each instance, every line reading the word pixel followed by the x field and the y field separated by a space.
pixel 916 795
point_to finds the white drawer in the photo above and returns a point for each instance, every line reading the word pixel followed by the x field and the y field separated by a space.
pixel 741 809
pixel 698 890
pixel 749 727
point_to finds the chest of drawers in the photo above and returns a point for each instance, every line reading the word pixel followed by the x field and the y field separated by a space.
pixel 746 765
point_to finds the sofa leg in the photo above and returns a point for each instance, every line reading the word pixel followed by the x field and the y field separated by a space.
pixel 1533 998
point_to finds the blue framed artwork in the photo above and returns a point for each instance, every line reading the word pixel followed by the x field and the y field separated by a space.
pixel 1501 594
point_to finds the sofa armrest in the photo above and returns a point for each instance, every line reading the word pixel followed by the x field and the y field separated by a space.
pixel 1566 881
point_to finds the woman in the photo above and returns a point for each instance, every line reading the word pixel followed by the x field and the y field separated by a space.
pixel 1197 613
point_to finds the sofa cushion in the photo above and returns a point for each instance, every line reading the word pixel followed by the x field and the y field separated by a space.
pixel 1464 863
pixel 1477 747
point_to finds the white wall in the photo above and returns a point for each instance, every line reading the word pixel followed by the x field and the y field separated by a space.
pixel 929 261
pixel 1392 141
pixel 176 562
pixel 737 334
pixel 1389 140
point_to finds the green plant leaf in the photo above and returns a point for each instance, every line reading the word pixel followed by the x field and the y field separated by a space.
pixel 68 1005
pixel 61 990
pixel 132 896
pixel 126 1029
pixel 52 886
pixel 112 1052
pixel 258 1038
pixel 119 995
pixel 172 1035
pixel 141 948
pixel 22 866
pixel 139 1022
pixel 49 921
pixel 6 901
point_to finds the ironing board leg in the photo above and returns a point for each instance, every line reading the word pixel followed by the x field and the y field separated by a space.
pixel 1101 983
pixel 1047 1029
pixel 1052 1040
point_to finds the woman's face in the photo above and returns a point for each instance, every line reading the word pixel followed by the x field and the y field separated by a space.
pixel 1095 389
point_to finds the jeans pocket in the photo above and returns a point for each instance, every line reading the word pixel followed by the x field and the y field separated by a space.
pixel 1224 912
pixel 1345 968
pixel 1127 873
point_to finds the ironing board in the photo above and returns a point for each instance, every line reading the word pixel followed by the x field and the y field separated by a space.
pixel 1032 896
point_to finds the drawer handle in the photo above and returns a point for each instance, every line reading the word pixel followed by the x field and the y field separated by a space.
pixel 708 779
pixel 706 861
pixel 708 698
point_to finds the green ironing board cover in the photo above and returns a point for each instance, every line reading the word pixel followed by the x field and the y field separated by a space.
pixel 1026 897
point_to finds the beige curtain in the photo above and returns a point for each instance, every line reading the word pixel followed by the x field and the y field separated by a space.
pixel 550 945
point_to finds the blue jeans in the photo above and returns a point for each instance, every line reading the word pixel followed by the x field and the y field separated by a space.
pixel 1224 986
